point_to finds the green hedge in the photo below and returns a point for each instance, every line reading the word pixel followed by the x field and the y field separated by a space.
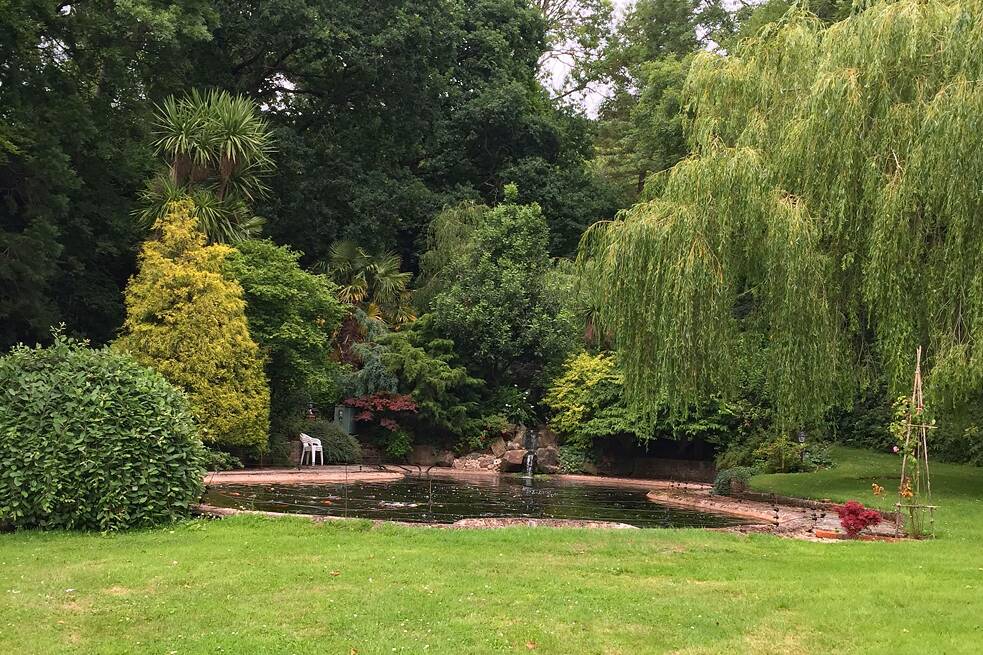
pixel 339 446
pixel 91 440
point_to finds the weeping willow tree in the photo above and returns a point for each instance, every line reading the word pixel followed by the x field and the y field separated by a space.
pixel 831 208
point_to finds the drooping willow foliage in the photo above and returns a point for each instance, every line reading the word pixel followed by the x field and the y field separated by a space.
pixel 832 208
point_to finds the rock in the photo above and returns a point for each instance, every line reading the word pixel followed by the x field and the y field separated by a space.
pixel 445 458
pixel 512 444
pixel 546 437
pixel 513 460
pixel 547 457
pixel 425 455
pixel 551 470
pixel 520 435
pixel 477 462
pixel 590 468
pixel 497 446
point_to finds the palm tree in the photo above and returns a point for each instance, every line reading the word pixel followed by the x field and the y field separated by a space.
pixel 373 283
pixel 216 149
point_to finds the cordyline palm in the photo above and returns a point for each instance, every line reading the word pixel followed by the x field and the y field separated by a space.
pixel 217 152
pixel 373 283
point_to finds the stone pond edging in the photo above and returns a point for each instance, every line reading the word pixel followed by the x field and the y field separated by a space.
pixel 472 523
pixel 789 517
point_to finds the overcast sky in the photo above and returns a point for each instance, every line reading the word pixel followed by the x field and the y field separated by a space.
pixel 559 68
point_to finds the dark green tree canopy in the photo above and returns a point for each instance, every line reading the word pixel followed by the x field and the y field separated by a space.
pixel 385 112
pixel 75 79
pixel 497 306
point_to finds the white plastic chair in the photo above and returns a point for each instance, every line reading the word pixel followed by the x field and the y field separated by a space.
pixel 312 446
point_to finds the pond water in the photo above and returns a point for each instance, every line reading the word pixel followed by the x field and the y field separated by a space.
pixel 445 500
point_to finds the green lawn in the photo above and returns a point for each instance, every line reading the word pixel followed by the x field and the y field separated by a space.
pixel 251 585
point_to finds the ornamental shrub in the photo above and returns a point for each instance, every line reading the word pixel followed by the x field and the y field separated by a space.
pixel 733 480
pixel 855 518
pixel 292 314
pixel 187 320
pixel 587 401
pixel 91 440
pixel 339 446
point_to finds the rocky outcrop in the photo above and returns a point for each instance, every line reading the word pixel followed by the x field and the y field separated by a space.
pixel 507 453
pixel 498 446
pixel 548 460
pixel 477 462
pixel 546 438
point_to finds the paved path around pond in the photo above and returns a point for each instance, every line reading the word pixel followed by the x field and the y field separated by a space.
pixel 306 475
pixel 790 517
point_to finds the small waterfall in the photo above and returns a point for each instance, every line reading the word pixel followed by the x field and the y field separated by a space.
pixel 530 459
pixel 530 463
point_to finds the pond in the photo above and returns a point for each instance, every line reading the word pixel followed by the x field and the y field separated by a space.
pixel 446 500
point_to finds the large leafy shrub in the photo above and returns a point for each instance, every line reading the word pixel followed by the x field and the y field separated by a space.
pixel 292 314
pixel 92 440
pixel 426 367
pixel 494 300
pixel 187 320
pixel 587 401
pixel 339 446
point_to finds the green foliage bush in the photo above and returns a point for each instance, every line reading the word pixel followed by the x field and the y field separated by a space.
pixel 218 460
pixel 426 367
pixel 187 320
pixel 292 315
pixel 724 483
pixel 398 444
pixel 781 455
pixel 91 440
pixel 587 401
pixel 574 458
pixel 339 446
pixel 495 302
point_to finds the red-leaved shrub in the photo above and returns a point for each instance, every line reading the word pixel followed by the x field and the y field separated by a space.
pixel 855 518
pixel 384 407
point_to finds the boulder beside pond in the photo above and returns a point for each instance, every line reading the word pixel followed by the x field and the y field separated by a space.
pixel 498 446
pixel 513 460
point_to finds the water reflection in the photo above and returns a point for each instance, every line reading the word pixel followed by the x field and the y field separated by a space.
pixel 445 500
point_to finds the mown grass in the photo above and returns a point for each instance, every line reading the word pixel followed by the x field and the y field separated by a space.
pixel 253 585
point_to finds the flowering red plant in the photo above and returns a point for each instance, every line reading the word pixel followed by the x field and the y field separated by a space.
pixel 386 404
pixel 855 518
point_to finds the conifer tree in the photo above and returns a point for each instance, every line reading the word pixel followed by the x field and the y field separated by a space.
pixel 187 320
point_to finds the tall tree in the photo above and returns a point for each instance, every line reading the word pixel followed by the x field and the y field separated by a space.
pixel 77 82
pixel 823 215
pixel 496 306
pixel 578 32
pixel 386 112
pixel 293 315
pixel 187 320
pixel 640 121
